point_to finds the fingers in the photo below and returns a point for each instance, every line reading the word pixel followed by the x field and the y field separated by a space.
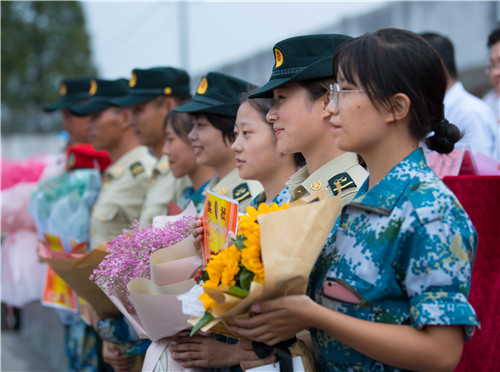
pixel 112 355
pixel 248 358
pixel 247 364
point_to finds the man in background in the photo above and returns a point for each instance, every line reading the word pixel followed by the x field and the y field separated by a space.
pixel 153 93
pixel 471 115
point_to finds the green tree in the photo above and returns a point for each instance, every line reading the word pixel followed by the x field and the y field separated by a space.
pixel 42 43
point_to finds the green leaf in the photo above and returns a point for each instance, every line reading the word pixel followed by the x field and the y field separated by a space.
pixel 239 241
pixel 202 322
pixel 246 277
pixel 238 291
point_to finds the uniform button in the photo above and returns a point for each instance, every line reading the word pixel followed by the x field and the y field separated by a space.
pixel 223 190
pixel 153 182
pixel 106 184
pixel 95 208
pixel 102 218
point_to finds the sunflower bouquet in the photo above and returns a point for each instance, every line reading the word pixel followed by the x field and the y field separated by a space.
pixel 271 256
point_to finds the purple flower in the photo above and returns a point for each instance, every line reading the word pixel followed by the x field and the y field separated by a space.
pixel 129 254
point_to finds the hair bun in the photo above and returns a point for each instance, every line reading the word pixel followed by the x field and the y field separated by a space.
pixel 444 138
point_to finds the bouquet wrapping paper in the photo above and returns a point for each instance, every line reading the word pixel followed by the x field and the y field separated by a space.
pixel 291 240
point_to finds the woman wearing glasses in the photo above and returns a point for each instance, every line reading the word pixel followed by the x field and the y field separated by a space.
pixel 394 293
pixel 299 84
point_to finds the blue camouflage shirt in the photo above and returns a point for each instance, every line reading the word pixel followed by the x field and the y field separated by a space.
pixel 402 254
pixel 280 199
pixel 196 196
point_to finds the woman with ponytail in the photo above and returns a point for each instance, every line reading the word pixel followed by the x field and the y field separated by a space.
pixel 391 293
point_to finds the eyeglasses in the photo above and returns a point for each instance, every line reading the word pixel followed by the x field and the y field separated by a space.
pixel 492 67
pixel 335 94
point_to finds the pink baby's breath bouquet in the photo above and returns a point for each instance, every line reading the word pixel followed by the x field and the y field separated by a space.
pixel 129 255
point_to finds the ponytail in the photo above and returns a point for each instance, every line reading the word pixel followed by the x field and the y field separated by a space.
pixel 444 138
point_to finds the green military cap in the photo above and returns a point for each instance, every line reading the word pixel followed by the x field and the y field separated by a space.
pixel 217 93
pixel 301 58
pixel 71 92
pixel 102 92
pixel 146 84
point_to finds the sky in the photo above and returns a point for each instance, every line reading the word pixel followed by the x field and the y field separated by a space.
pixel 203 35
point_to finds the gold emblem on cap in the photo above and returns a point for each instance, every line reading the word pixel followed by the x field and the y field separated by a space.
pixel 202 88
pixel 93 87
pixel 133 80
pixel 223 190
pixel 316 186
pixel 278 57
pixel 62 89
pixel 167 91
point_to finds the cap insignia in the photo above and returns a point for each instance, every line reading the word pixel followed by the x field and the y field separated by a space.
pixel 133 80
pixel 93 87
pixel 278 57
pixel 62 89
pixel 167 91
pixel 202 88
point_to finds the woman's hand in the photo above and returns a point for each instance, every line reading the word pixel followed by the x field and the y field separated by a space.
pixel 112 355
pixel 204 351
pixel 248 358
pixel 198 232
pixel 275 320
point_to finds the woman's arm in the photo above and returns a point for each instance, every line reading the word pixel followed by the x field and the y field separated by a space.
pixel 434 348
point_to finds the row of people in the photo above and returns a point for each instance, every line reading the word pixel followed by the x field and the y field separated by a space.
pixel 403 243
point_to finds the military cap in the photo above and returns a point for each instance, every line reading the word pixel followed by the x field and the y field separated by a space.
pixel 146 84
pixel 102 92
pixel 71 92
pixel 301 58
pixel 217 93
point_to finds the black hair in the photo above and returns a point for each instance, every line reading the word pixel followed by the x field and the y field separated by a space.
pixel 316 88
pixel 263 106
pixel 223 123
pixel 181 124
pixel 391 61
pixel 494 37
pixel 444 47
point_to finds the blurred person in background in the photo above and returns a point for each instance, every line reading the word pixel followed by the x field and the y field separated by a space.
pixel 153 93
pixel 471 115
pixel 492 98
pixel 125 183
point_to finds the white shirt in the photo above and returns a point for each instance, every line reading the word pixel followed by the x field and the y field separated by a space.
pixel 474 118
pixel 492 99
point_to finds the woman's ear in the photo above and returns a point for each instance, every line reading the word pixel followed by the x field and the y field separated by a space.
pixel 400 108
pixel 326 100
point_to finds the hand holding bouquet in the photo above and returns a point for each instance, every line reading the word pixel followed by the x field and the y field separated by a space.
pixel 272 256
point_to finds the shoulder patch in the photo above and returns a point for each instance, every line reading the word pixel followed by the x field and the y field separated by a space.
pixel 241 192
pixel 345 181
pixel 137 168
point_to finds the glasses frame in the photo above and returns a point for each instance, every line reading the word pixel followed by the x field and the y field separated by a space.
pixel 334 93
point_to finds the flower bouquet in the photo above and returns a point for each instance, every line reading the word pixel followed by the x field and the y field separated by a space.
pixel 145 271
pixel 272 256
pixel 75 268
pixel 21 272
